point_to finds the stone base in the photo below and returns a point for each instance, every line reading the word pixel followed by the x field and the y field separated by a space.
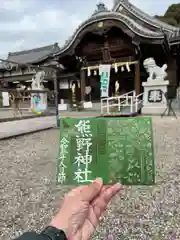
pixel 154 110
pixel 43 106
pixel 154 100
pixel 42 103
pixel 87 105
pixel 62 107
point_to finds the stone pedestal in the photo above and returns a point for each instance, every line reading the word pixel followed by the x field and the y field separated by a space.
pixel 42 102
pixel 62 106
pixel 154 101
pixel 87 105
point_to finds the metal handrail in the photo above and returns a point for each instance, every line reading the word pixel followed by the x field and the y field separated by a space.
pixel 127 99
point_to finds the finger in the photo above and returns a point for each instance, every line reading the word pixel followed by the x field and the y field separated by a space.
pixel 92 190
pixel 109 193
pixel 76 191
pixel 99 205
pixel 101 202
pixel 104 188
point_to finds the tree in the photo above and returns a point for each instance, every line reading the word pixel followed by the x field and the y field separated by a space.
pixel 172 15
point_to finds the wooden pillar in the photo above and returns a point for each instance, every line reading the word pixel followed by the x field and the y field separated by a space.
pixel 83 84
pixel 178 71
pixel 56 90
pixel 137 78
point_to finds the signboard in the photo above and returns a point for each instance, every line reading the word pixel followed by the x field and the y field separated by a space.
pixel 5 99
pixel 116 149
pixel 36 101
pixel 155 96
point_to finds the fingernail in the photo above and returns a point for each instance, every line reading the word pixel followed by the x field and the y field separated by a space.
pixel 99 180
pixel 119 186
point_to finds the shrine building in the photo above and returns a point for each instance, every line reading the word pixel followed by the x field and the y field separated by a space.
pixel 123 37
pixel 12 74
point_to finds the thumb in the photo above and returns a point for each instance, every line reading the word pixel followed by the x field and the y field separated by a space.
pixel 92 190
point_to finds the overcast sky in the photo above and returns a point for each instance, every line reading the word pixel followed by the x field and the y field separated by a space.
pixel 28 24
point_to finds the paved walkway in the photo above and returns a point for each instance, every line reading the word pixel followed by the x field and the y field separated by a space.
pixel 9 114
pixel 20 127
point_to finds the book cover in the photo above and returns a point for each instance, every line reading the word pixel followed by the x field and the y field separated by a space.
pixel 116 149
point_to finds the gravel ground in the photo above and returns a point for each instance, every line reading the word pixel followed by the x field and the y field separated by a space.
pixel 29 196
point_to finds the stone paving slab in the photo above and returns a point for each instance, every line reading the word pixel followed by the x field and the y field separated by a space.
pixel 25 117
pixel 79 114
pixel 25 126
pixel 10 114
pixel 21 127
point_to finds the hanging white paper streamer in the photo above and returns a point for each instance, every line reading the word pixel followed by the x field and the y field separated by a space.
pixel 115 68
pixel 88 71
pixel 100 70
pixel 122 69
pixel 127 67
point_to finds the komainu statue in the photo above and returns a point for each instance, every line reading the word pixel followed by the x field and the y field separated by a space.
pixel 37 80
pixel 155 72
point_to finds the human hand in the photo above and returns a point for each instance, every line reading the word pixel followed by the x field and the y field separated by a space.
pixel 82 208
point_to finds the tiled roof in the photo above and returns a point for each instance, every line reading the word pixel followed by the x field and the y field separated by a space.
pixel 101 16
pixel 143 16
pixel 33 55
pixel 174 37
pixel 173 33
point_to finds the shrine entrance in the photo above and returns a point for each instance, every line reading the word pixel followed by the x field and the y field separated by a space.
pixel 112 47
pixel 121 81
pixel 124 78
pixel 109 39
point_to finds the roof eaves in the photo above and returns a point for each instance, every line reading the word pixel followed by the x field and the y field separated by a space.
pixel 53 49
pixel 39 49
pixel 134 26
pixel 144 16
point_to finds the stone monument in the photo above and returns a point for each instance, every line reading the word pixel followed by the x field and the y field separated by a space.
pixel 37 84
pixel 154 100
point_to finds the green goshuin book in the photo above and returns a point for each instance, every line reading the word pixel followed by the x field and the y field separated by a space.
pixel 115 149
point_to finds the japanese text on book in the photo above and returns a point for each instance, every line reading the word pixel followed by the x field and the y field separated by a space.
pixel 64 143
pixel 84 152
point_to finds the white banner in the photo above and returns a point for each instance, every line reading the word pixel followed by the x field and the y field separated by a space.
pixel 104 72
